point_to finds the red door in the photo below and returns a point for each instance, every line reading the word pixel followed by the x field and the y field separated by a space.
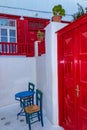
pixel 69 77
pixel 73 79
pixel 82 78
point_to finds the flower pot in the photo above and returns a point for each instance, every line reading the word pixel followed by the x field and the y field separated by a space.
pixel 39 38
pixel 57 18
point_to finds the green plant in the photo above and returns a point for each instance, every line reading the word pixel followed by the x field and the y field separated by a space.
pixel 40 35
pixel 58 10
pixel 80 12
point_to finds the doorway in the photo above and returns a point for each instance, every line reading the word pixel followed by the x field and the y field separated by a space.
pixel 72 66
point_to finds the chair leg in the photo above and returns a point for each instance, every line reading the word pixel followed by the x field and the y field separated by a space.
pixel 29 124
pixel 21 113
pixel 38 116
pixel 26 118
pixel 41 119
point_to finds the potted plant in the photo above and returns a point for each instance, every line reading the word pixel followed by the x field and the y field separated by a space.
pixel 40 36
pixel 80 12
pixel 58 12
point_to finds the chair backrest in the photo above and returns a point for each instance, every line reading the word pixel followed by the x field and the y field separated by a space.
pixel 31 86
pixel 39 96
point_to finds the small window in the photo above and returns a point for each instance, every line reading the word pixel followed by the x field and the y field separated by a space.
pixel 12 35
pixel 8 33
pixel 4 35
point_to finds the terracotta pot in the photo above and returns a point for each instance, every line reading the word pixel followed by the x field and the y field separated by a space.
pixel 39 38
pixel 56 18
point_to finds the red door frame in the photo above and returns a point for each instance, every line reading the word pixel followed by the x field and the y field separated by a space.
pixel 60 83
pixel 81 21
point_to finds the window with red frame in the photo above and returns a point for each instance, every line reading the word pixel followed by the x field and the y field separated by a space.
pixel 8 35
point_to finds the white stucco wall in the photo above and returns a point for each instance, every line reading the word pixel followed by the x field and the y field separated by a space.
pixel 51 87
pixel 46 72
pixel 15 73
pixel 41 78
pixel 41 74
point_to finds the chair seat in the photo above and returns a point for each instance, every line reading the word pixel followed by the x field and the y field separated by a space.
pixel 32 108
pixel 25 98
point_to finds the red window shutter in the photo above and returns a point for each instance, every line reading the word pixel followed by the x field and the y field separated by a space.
pixel 30 49
pixel 21 31
pixel 31 38
pixel 21 36
pixel 41 48
pixel 25 43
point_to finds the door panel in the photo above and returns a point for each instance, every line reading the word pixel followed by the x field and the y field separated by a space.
pixel 69 102
pixel 73 66
pixel 75 79
pixel 82 79
pixel 82 104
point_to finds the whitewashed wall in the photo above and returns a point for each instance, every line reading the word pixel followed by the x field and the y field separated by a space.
pixel 15 73
pixel 41 78
pixel 41 74
pixel 51 88
pixel 46 73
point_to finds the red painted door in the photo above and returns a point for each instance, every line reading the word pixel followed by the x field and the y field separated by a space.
pixel 69 77
pixel 82 78
pixel 73 69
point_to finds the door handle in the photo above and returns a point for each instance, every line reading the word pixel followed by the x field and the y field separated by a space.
pixel 77 90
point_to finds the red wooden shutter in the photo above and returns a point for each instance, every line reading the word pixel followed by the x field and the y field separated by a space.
pixel 41 48
pixel 21 37
pixel 31 38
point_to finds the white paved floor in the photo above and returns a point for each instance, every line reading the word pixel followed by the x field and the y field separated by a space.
pixel 9 121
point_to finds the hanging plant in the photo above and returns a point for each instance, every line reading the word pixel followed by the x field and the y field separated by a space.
pixel 40 36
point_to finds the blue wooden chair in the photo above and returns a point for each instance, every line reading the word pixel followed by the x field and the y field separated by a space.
pixel 33 112
pixel 31 87
pixel 29 100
